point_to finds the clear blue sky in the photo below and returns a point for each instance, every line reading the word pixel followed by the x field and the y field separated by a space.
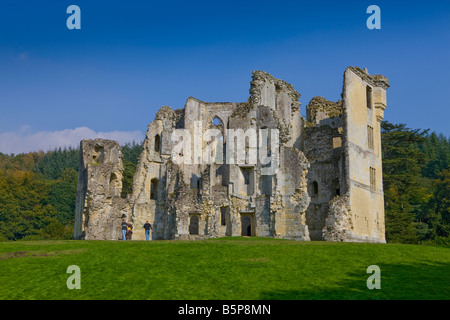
pixel 132 57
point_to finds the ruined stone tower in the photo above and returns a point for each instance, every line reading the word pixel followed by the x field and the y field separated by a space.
pixel 99 207
pixel 343 146
pixel 255 168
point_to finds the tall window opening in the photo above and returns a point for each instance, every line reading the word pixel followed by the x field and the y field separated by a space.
pixel 369 97
pixel 153 189
pixel 315 188
pixel 246 174
pixel 370 137
pixel 248 180
pixel 223 216
pixel 157 143
pixel 218 151
pixel 114 184
pixel 373 185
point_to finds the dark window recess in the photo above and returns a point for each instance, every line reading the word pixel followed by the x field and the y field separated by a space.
pixel 157 143
pixel 153 189
pixel 369 97
pixel 246 173
pixel 193 224
pixel 315 188
pixel 223 216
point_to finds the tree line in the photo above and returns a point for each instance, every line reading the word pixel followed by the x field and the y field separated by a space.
pixel 38 190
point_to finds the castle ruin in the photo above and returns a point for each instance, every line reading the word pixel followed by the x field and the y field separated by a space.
pixel 327 182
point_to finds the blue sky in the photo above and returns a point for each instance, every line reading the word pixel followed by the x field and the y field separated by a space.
pixel 132 57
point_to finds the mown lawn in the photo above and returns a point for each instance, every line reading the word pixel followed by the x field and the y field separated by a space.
pixel 227 268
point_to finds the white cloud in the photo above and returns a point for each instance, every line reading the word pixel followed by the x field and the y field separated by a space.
pixel 24 140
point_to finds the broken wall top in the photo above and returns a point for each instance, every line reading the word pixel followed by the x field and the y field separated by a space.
pixel 377 80
pixel 265 89
pixel 100 151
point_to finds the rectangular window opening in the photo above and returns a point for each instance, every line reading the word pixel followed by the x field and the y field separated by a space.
pixel 369 97
pixel 372 179
pixel 370 137
pixel 223 216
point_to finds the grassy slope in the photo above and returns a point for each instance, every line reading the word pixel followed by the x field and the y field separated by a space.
pixel 222 269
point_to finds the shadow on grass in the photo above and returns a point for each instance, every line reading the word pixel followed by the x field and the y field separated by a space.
pixel 422 281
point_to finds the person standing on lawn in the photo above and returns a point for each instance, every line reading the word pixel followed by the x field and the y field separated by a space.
pixel 129 231
pixel 147 227
pixel 124 226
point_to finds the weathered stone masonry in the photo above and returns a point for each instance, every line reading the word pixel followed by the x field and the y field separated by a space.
pixel 328 185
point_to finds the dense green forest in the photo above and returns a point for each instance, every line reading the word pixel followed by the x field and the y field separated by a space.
pixel 38 190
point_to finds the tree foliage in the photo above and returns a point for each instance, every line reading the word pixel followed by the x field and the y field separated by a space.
pixel 414 169
pixel 24 204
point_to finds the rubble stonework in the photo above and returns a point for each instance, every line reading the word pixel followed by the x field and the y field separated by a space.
pixel 327 184
pixel 338 224
pixel 99 206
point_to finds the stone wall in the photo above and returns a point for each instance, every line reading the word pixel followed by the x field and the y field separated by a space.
pixel 99 207
pixel 325 152
pixel 317 189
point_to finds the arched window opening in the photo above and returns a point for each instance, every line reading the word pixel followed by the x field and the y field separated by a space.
pixel 216 121
pixel 157 143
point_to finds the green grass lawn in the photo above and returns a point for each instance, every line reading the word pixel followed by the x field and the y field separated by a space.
pixel 227 268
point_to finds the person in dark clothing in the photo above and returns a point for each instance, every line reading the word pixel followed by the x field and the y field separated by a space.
pixel 147 227
pixel 129 231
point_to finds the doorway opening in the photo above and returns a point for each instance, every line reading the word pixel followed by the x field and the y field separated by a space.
pixel 248 224
pixel 193 224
